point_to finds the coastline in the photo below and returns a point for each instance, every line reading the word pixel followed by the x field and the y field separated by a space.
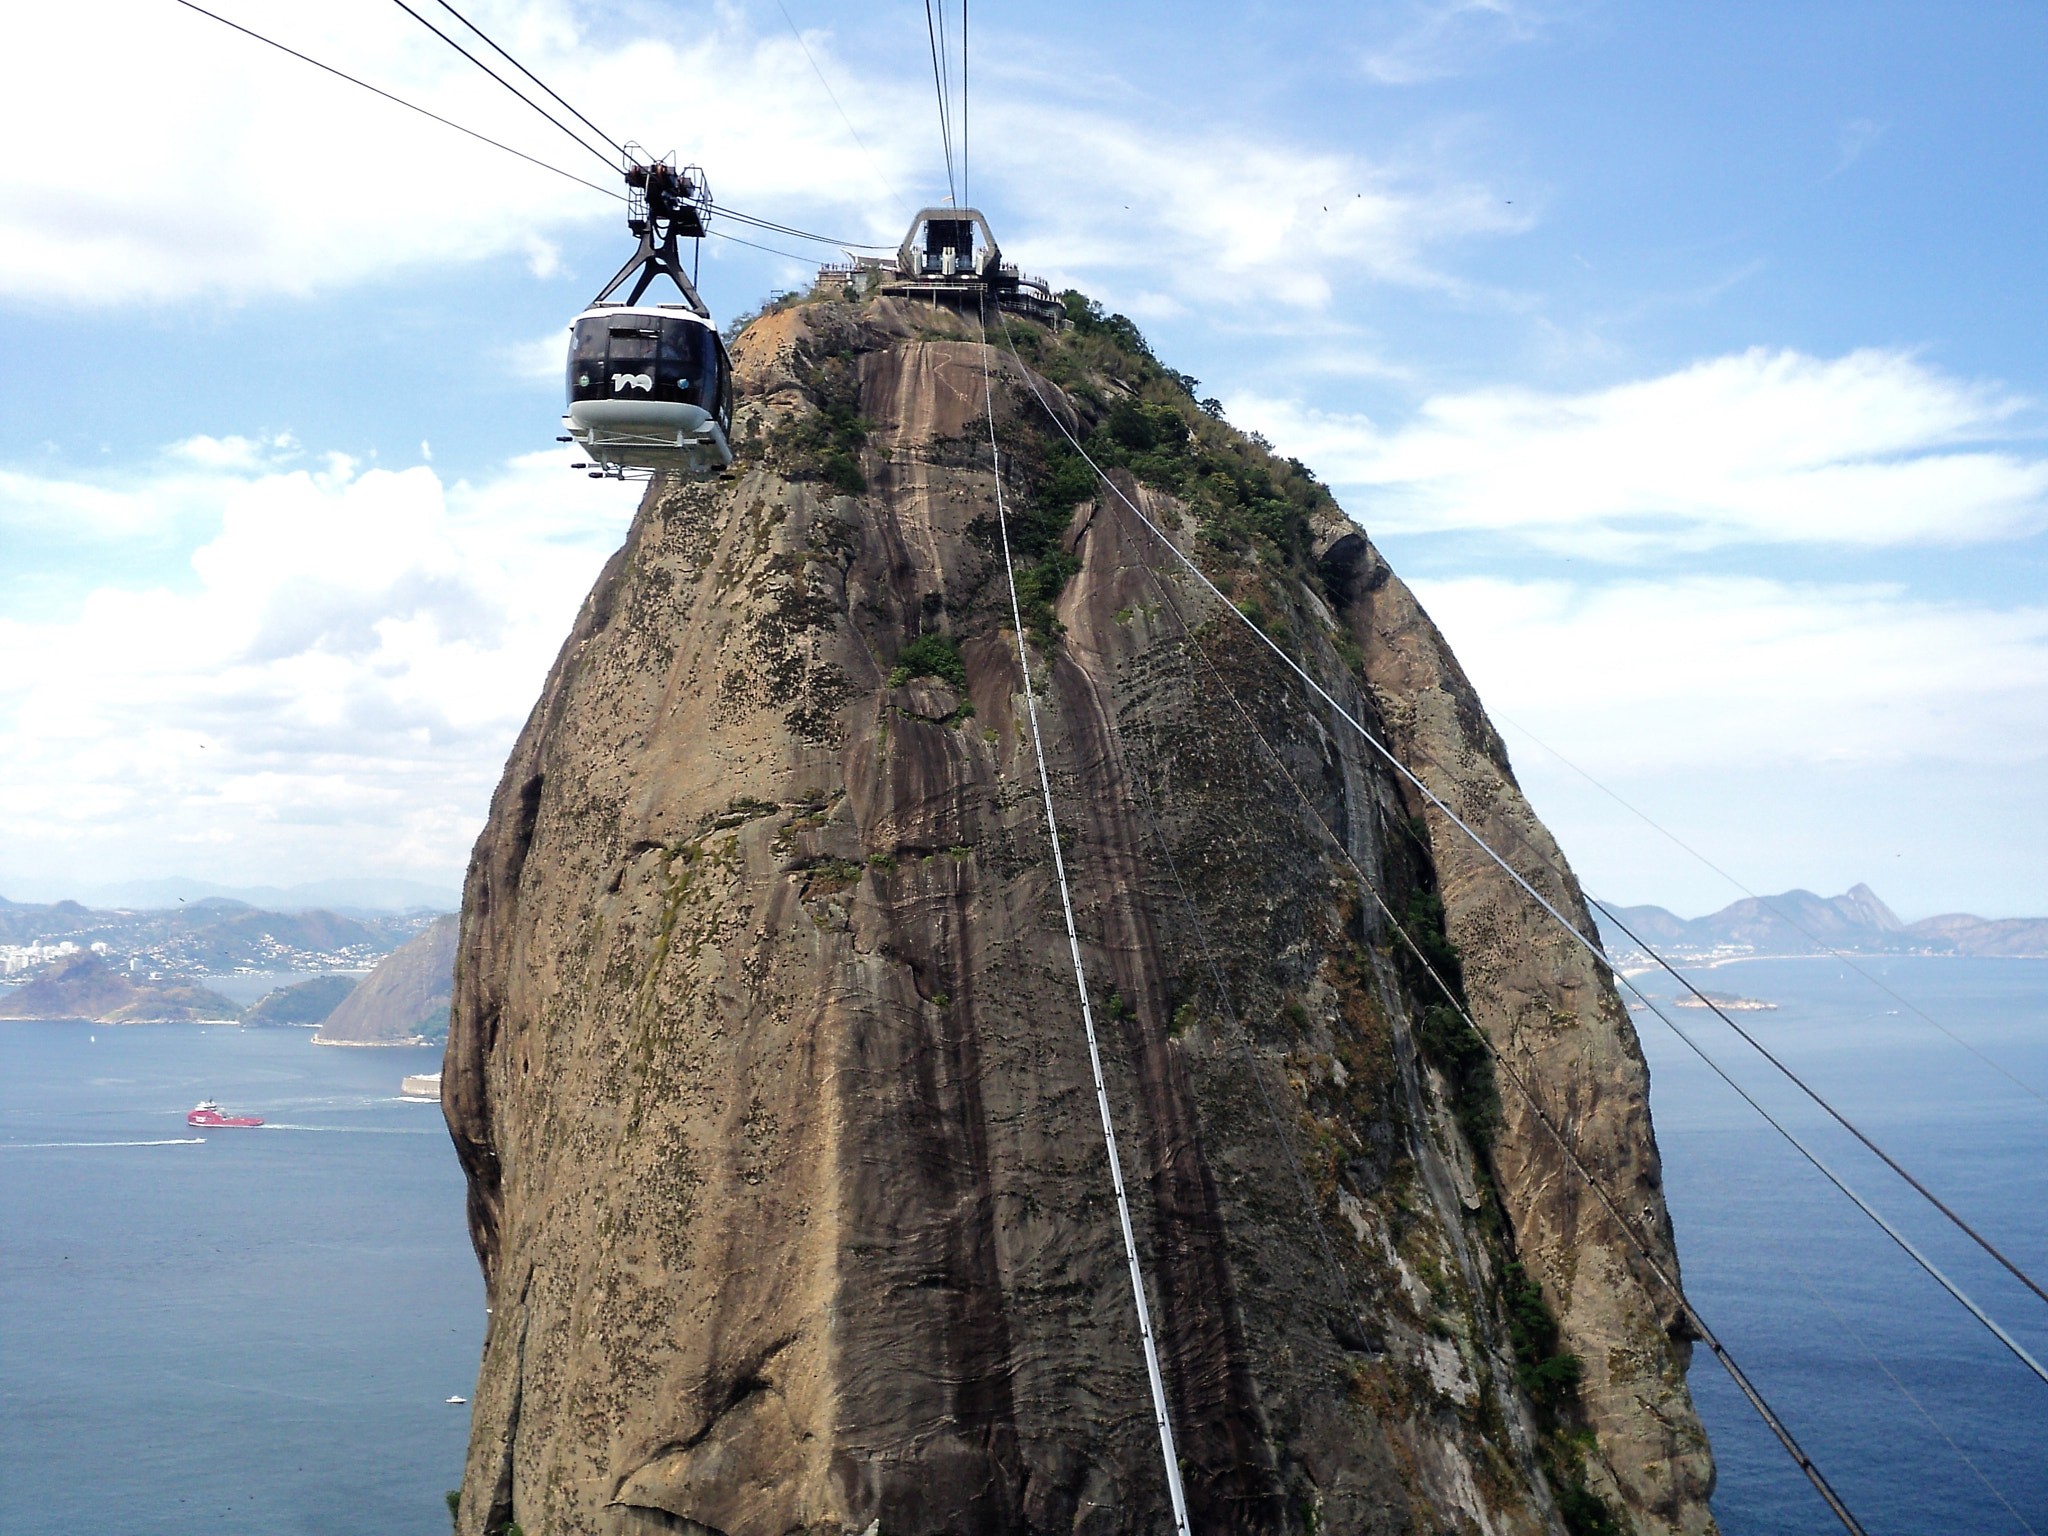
pixel 413 1041
pixel 1687 962
pixel 73 1018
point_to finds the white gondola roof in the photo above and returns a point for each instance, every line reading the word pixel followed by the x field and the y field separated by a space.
pixel 652 311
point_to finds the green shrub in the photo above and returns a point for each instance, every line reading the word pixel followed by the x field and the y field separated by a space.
pixel 1086 317
pixel 1550 1377
pixel 1585 1513
pixel 830 439
pixel 1455 1049
pixel 930 656
pixel 842 472
pixel 1424 924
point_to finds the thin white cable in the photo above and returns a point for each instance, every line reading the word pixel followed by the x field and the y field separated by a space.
pixel 1836 1179
pixel 1785 1252
pixel 1589 945
pixel 1295 667
pixel 1811 937
pixel 894 195
pixel 1052 828
pixel 1627 1228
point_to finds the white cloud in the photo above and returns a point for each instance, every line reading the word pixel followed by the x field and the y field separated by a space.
pixel 335 692
pixel 1798 735
pixel 233 452
pixel 1871 449
pixel 1141 203
pixel 538 359
pixel 1734 672
pixel 220 167
pixel 210 164
pixel 1856 135
pixel 1447 37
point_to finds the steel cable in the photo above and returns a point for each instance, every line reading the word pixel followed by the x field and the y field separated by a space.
pixel 939 89
pixel 1168 1455
pixel 1848 1125
pixel 1786 1257
pixel 1627 1228
pixel 536 79
pixel 966 191
pixel 574 137
pixel 398 100
pixel 1589 945
pixel 341 74
pixel 795 32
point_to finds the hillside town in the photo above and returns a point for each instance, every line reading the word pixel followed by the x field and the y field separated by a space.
pixel 211 938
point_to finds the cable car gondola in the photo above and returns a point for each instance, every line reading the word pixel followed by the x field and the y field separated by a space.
pixel 650 385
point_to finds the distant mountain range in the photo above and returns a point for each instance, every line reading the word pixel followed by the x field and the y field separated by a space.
pixel 207 937
pixel 1801 923
pixel 351 898
pixel 67 961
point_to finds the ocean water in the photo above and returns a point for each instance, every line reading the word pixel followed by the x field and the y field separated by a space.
pixel 228 1330
pixel 255 1332
pixel 1923 1422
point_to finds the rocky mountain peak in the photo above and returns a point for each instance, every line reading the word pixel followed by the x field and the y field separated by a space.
pixel 766 1066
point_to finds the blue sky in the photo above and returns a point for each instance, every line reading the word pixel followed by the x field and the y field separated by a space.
pixel 1687 361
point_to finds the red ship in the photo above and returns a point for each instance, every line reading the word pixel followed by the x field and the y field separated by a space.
pixel 208 1113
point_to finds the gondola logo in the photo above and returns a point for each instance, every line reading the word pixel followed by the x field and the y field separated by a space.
pixel 636 380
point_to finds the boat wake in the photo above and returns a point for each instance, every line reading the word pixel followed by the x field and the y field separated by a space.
pixel 44 1146
pixel 349 1130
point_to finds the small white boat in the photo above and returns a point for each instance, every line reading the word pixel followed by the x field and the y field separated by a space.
pixel 458 1399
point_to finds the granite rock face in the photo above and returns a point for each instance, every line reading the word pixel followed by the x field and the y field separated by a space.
pixel 766 1064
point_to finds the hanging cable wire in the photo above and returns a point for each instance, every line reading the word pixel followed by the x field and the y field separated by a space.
pixel 1693 1319
pixel 945 78
pixel 573 135
pixel 966 191
pixel 894 196
pixel 1168 1455
pixel 1890 1231
pixel 719 234
pixel 1698 1324
pixel 1848 1125
pixel 1539 856
pixel 536 79
pixel 1836 1179
pixel 1818 943
pixel 1787 1256
pixel 398 100
pixel 1627 1227
pixel 729 213
pixel 1591 946
pixel 723 212
pixel 939 89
